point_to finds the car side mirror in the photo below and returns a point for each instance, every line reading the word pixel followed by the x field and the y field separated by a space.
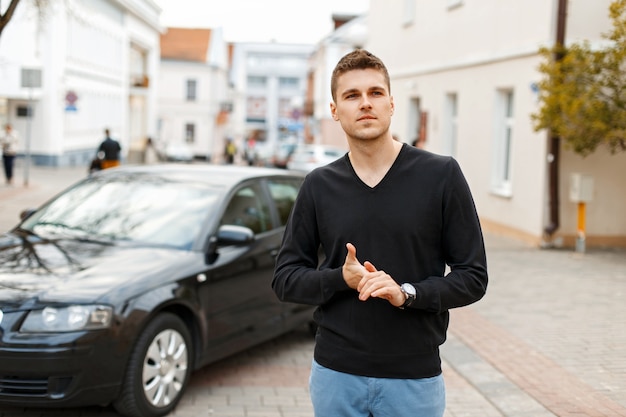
pixel 228 234
pixel 25 214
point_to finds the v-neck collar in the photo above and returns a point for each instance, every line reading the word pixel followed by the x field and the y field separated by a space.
pixel 383 179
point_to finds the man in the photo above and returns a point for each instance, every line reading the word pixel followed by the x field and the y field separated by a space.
pixel 110 148
pixel 8 143
pixel 230 150
pixel 406 213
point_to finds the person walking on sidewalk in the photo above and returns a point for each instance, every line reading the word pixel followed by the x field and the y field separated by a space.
pixel 9 141
pixel 110 149
pixel 387 219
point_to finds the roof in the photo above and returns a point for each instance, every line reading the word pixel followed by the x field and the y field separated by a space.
pixel 222 175
pixel 186 44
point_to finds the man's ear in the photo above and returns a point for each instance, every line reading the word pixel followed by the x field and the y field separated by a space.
pixel 393 106
pixel 333 111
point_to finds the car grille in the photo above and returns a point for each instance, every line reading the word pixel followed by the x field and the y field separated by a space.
pixel 13 386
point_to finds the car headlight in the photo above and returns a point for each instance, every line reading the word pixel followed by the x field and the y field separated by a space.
pixel 68 319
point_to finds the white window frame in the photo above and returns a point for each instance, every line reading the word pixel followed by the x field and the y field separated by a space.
pixel 190 133
pixel 408 13
pixel 454 3
pixel 504 120
pixel 450 124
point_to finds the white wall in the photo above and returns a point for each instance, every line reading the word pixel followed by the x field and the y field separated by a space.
pixel 272 61
pixel 175 111
pixel 82 47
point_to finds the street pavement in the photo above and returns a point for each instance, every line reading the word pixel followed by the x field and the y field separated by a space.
pixel 548 339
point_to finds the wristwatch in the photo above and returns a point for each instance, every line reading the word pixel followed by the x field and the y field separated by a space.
pixel 409 293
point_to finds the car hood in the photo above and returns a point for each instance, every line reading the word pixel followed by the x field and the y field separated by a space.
pixel 62 270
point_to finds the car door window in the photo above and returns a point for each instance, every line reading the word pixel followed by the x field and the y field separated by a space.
pixel 247 208
pixel 284 193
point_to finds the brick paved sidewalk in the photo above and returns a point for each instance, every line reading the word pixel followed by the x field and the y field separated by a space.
pixel 552 327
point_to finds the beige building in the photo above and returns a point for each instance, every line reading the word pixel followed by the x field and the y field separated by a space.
pixel 464 80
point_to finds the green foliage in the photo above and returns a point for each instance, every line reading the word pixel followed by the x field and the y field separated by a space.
pixel 583 92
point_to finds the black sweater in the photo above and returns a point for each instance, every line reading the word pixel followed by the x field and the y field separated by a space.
pixel 418 219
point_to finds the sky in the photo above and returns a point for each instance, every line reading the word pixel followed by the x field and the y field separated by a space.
pixel 282 21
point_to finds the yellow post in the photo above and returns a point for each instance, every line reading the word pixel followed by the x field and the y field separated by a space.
pixel 580 240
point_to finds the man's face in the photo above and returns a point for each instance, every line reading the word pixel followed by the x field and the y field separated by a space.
pixel 363 105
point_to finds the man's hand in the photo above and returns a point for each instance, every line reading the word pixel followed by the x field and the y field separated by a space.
pixel 379 284
pixel 352 269
pixel 370 282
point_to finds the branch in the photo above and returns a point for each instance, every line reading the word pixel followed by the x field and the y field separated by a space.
pixel 6 17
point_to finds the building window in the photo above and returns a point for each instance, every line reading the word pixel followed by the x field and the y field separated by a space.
pixel 138 67
pixel 256 109
pixel 191 90
pixel 190 133
pixel 257 81
pixel 450 124
pixel 289 83
pixel 503 137
pixel 408 14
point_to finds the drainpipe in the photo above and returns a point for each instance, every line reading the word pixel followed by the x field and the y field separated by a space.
pixel 555 141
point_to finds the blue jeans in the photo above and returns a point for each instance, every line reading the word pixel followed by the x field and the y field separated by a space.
pixel 339 394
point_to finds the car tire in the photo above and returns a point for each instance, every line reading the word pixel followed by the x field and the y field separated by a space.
pixel 158 370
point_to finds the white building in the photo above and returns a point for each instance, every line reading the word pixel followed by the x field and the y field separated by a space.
pixel 351 32
pixel 194 96
pixel 464 80
pixel 84 66
pixel 270 81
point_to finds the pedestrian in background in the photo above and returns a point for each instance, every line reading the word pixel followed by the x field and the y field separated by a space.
pixel 9 141
pixel 109 150
pixel 230 150
pixel 150 153
pixel 388 219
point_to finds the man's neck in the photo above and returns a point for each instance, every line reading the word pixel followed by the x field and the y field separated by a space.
pixel 372 160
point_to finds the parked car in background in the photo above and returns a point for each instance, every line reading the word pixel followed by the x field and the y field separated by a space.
pixel 306 158
pixel 282 154
pixel 114 291
pixel 178 152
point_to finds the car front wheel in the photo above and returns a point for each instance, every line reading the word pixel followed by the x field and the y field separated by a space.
pixel 159 369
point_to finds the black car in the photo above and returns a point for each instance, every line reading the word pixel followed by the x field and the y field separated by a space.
pixel 118 288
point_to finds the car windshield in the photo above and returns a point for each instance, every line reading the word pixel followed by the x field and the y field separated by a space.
pixel 136 208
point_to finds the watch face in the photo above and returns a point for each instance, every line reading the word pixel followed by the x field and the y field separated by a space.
pixel 408 288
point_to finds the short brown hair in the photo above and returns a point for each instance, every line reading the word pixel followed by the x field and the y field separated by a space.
pixel 355 60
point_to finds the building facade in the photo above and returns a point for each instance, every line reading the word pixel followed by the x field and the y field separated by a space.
pixel 194 96
pixel 80 66
pixel 270 81
pixel 464 80
pixel 350 32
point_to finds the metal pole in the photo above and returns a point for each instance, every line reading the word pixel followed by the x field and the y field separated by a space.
pixel 555 141
pixel 28 129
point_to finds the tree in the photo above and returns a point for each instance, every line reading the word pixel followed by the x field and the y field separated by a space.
pixel 8 14
pixel 583 92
